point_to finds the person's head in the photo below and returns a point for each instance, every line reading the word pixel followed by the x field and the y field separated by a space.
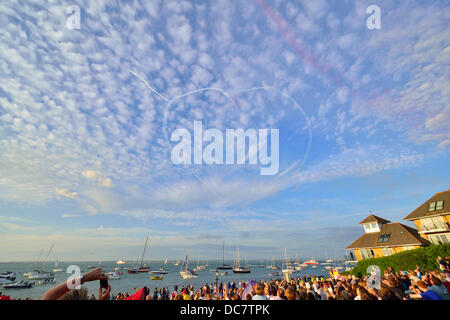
pixel 364 294
pixel 272 291
pixel 235 297
pixel 435 281
pixel 248 297
pixel 290 294
pixel 385 291
pixel 422 285
pixel 259 289
pixel 76 294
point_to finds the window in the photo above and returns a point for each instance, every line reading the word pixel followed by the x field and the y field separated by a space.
pixel 408 248
pixel 384 237
pixel 387 251
pixel 440 238
pixel 374 225
pixel 365 253
pixel 432 206
pixel 440 205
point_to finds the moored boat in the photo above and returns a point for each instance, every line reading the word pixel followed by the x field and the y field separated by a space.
pixel 185 272
pixel 237 266
pixel 113 275
pixel 18 285
pixel 46 281
pixel 160 271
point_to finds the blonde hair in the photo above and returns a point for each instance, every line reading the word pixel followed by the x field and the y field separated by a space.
pixel 76 294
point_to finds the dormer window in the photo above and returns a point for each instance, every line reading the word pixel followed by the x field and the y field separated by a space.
pixel 440 205
pixel 384 238
pixel 432 206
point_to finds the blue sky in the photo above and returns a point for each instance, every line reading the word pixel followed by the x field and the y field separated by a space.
pixel 84 162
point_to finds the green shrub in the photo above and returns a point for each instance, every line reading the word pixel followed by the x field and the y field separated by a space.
pixel 424 257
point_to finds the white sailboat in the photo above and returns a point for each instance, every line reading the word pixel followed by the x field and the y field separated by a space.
pixel 40 274
pixel 185 272
pixel 288 267
pixel 273 266
pixel 237 266
pixel 298 266
pixel 56 267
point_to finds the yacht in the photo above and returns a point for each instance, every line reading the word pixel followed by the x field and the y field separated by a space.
pixel 7 276
pixel 199 267
pixel 56 267
pixel 41 275
pixel 160 271
pixel 46 281
pixel 18 285
pixel 120 262
pixel 176 263
pixel 113 275
pixel 224 266
pixel 157 278
pixel 273 266
pixel 237 266
pixel 289 268
pixel 297 263
pixel 141 268
pixel 311 262
pixel 185 273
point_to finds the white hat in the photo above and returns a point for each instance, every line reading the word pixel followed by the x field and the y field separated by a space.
pixel 308 285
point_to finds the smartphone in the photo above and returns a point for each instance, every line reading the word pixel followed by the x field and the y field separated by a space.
pixel 104 284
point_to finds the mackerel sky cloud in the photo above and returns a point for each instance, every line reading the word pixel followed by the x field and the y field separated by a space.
pixel 84 158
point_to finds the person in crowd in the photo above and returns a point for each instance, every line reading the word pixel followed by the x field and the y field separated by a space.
pixel 421 291
pixel 259 292
pixel 64 290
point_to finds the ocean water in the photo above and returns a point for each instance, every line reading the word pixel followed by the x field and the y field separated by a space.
pixel 129 282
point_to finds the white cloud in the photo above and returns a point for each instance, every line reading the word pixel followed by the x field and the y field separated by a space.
pixel 66 193
pixel 70 215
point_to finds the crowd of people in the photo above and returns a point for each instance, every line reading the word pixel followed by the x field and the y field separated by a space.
pixel 392 285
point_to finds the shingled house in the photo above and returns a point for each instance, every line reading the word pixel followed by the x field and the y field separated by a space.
pixel 383 238
pixel 432 218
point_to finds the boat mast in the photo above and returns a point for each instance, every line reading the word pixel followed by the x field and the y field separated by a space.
pixel 49 251
pixel 223 253
pixel 238 259
pixel 143 253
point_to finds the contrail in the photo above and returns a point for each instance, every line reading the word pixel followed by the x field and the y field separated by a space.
pixel 146 83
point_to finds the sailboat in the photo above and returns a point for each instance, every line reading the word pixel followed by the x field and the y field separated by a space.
pixel 199 267
pixel 273 266
pixel 177 263
pixel 56 267
pixel 39 274
pixel 224 266
pixel 237 266
pixel 141 268
pixel 185 272
pixel 288 267
pixel 298 267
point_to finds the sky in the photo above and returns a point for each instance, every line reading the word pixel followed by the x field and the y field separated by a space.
pixel 85 115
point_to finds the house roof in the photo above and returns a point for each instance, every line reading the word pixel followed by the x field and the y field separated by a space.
pixel 374 218
pixel 400 235
pixel 422 210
